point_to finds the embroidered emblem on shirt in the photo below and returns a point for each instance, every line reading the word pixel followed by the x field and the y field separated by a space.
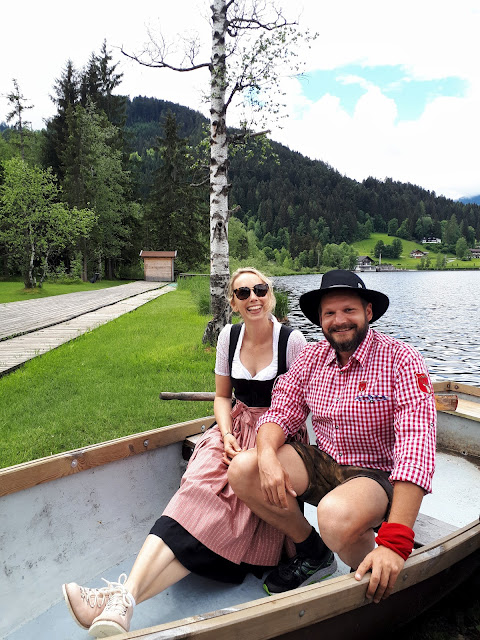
pixel 423 382
pixel 362 385
pixel 372 398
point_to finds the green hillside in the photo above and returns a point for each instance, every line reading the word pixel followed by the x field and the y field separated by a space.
pixel 288 200
pixel 366 248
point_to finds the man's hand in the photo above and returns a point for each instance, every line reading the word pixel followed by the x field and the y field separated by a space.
pixel 385 566
pixel 274 480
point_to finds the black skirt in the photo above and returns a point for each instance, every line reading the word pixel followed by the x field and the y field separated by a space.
pixel 198 558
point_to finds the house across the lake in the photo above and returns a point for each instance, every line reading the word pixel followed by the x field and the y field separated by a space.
pixel 417 253
pixel 475 252
pixel 431 240
pixel 365 263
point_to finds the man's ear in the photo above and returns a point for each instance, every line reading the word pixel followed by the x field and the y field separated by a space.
pixel 369 311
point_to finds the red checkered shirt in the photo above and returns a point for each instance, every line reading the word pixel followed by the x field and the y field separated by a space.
pixel 377 411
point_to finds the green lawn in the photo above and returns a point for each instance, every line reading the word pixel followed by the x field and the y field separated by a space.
pixel 13 290
pixel 366 247
pixel 105 384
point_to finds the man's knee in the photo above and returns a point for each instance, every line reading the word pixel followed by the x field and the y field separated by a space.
pixel 242 471
pixel 342 524
pixel 336 522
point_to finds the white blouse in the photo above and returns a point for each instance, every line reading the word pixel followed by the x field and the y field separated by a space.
pixel 296 342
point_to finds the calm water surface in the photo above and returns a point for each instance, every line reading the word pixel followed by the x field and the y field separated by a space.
pixel 437 312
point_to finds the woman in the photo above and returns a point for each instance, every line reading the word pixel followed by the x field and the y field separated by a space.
pixel 205 529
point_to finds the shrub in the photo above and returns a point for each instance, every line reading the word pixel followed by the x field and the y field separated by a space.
pixel 281 307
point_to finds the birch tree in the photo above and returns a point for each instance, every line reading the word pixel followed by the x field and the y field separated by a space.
pixel 252 44
pixel 34 224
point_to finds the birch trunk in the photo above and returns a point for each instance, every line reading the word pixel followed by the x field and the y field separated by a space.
pixel 84 261
pixel 219 188
pixel 30 281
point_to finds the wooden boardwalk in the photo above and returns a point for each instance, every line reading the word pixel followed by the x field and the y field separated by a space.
pixel 37 326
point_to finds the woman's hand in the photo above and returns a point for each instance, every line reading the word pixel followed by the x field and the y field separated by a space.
pixel 231 447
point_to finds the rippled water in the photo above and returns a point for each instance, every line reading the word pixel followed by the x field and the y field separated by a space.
pixel 438 312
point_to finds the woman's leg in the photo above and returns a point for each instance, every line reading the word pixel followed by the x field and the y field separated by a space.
pixel 155 569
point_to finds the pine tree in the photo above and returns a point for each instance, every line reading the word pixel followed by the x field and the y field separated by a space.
pixel 67 95
pixel 94 177
pixel 177 213
pixel 17 101
pixel 98 81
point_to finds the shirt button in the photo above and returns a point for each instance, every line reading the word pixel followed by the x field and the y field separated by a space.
pixel 339 455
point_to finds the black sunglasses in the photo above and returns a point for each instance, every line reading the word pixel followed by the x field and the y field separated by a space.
pixel 259 290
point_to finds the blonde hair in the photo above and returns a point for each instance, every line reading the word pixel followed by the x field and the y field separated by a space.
pixel 271 301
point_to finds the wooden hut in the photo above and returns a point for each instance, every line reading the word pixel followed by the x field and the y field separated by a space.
pixel 158 265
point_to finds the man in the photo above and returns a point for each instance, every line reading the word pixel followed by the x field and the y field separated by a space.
pixel 373 415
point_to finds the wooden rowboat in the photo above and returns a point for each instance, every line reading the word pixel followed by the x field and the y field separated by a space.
pixel 458 429
pixel 83 514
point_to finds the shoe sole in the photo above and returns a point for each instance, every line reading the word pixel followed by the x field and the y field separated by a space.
pixel 318 576
pixel 106 629
pixel 321 574
pixel 65 595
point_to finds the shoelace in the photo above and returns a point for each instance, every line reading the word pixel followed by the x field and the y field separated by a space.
pixel 97 597
pixel 118 601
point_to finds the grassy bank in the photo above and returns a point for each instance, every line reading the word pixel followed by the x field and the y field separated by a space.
pixel 366 248
pixel 105 384
pixel 14 290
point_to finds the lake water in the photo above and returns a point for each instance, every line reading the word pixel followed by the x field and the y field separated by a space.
pixel 438 312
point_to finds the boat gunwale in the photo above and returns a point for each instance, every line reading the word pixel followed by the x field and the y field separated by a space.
pixel 456 387
pixel 291 611
pixel 34 472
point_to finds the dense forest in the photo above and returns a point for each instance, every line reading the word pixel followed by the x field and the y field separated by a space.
pixel 109 176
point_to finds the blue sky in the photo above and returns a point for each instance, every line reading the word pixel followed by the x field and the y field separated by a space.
pixel 410 95
pixel 389 89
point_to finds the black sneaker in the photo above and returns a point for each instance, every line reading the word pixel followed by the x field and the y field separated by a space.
pixel 298 572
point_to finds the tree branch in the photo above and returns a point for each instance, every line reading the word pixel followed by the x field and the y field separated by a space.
pixel 238 138
pixel 206 180
pixel 161 64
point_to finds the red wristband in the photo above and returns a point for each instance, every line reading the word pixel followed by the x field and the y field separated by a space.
pixel 397 537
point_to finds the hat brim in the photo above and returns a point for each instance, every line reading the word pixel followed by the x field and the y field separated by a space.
pixel 310 301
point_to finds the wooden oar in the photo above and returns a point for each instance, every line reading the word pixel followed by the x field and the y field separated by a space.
pixel 446 401
pixel 196 396
pixel 443 401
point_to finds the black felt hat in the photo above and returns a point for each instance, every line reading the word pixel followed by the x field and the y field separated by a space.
pixel 339 279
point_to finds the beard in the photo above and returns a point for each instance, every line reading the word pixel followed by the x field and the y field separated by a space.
pixel 351 344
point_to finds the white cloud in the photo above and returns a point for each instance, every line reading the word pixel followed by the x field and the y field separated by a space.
pixel 431 39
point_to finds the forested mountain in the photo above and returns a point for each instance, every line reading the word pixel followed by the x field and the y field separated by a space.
pixel 145 118
pixel 109 176
pixel 290 200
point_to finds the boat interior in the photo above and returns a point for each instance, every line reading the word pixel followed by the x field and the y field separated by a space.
pixel 90 525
